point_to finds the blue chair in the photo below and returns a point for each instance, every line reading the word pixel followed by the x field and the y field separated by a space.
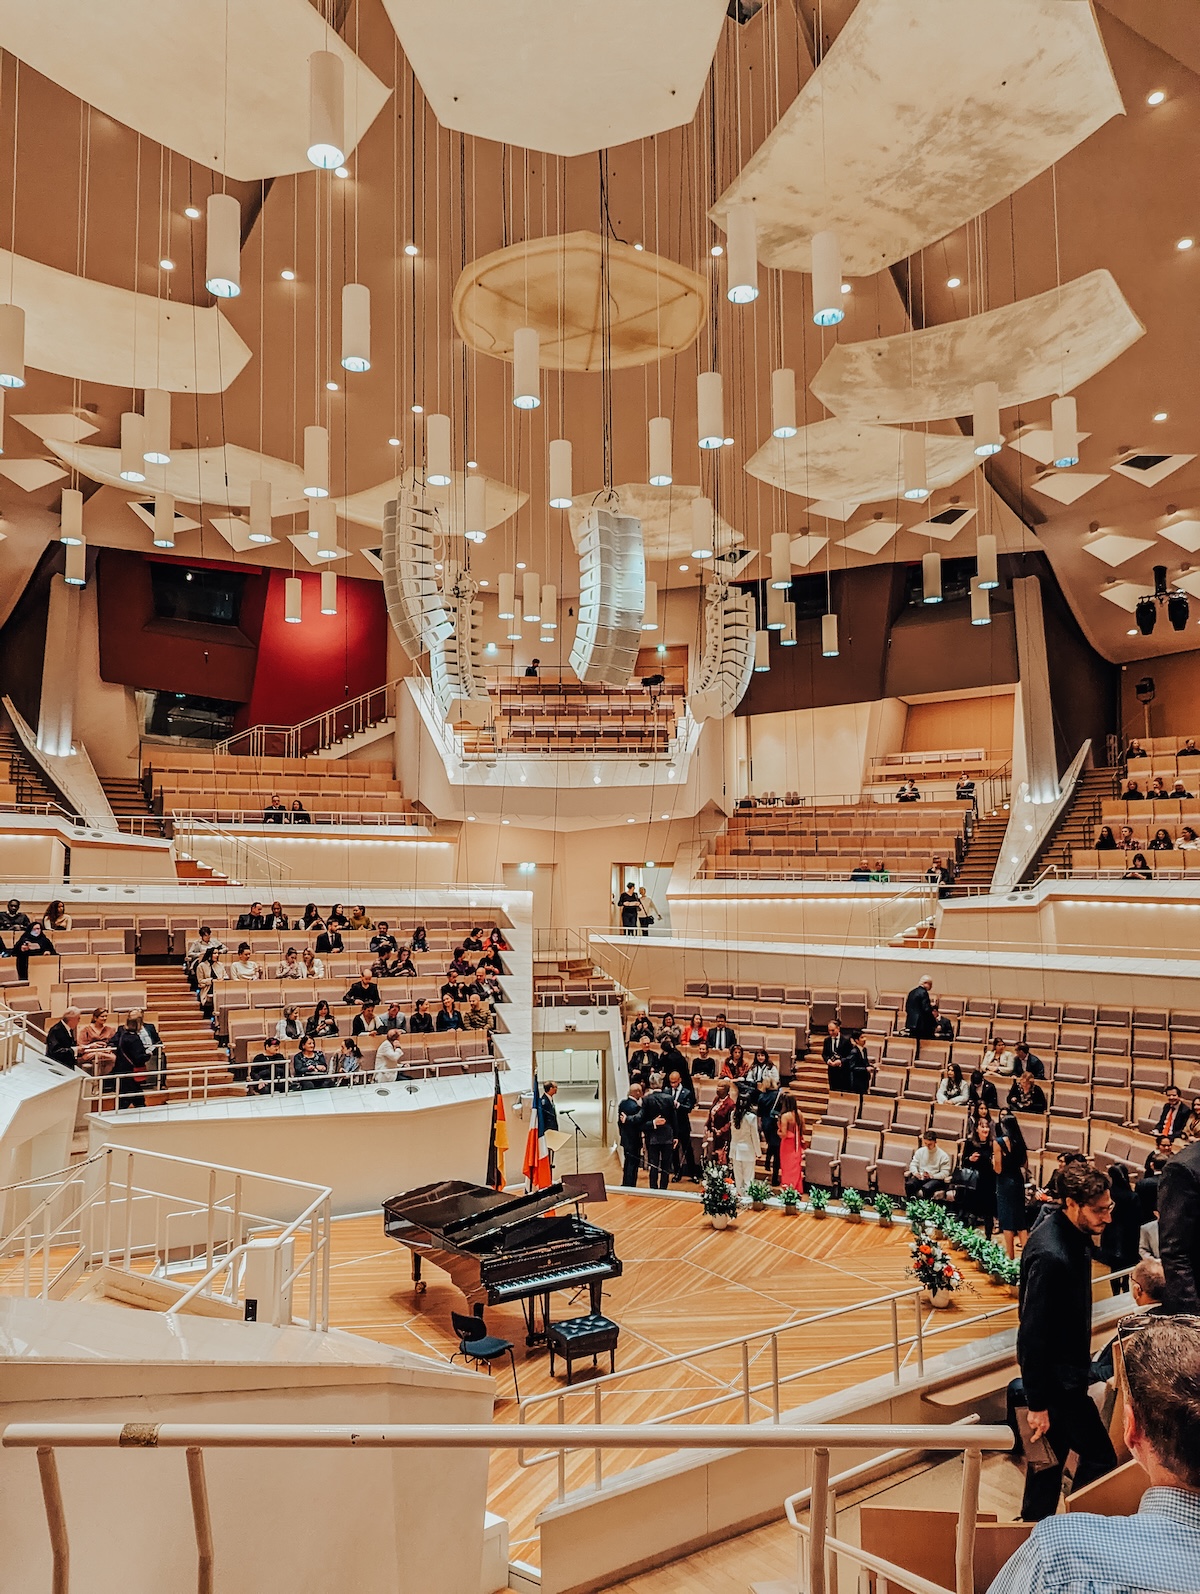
pixel 477 1345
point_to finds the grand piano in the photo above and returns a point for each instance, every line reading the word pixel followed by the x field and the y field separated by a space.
pixel 500 1247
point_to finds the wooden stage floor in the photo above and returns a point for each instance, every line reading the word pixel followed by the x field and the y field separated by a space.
pixel 684 1286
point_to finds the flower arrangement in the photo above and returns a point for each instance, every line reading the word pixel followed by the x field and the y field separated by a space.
pixel 759 1194
pixel 932 1268
pixel 818 1199
pixel 884 1206
pixel 717 1195
pixel 854 1202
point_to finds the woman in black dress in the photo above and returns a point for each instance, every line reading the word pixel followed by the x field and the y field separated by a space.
pixel 1119 1242
pixel 1010 1161
pixel 978 1193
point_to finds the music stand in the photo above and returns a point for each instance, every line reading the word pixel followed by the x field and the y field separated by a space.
pixel 584 1187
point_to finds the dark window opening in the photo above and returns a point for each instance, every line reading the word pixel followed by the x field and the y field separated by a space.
pixel 206 719
pixel 205 597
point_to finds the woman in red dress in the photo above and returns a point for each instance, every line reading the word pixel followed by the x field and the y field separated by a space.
pixel 791 1144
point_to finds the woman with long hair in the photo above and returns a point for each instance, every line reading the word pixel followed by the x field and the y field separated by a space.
pixel 131 1065
pixel 696 1031
pixel 57 918
pixel 1119 1242
pixel 952 1090
pixel 977 1174
pixel 1010 1163
pixel 322 1022
pixel 744 1142
pixel 791 1143
pixel 1191 1129
pixel 735 1065
pixel 312 915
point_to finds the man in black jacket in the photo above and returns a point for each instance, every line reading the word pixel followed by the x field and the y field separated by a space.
pixel 1173 1115
pixel 62 1039
pixel 1179 1229
pixel 919 1017
pixel 721 1038
pixel 658 1123
pixel 683 1099
pixel 1054 1340
pixel 254 920
pixel 629 1127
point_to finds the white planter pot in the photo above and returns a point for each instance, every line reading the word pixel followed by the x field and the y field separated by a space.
pixel 938 1299
pixel 719 1220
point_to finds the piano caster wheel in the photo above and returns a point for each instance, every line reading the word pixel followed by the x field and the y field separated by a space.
pixel 420 1286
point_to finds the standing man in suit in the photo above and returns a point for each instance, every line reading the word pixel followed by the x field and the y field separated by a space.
pixel 683 1099
pixel 1179 1229
pixel 629 1127
pixel 836 1050
pixel 919 1017
pixel 658 1124
pixel 1173 1115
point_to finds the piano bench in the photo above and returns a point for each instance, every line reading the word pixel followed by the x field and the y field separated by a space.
pixel 583 1336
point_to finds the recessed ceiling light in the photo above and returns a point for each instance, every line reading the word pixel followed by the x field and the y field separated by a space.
pixel 1185 243
pixel 683 567
pixel 332 386
pixel 485 583
pixel 437 567
pixel 191 213
pixel 1132 632
pixel 340 171
pixel 639 247
pixel 411 249
pixel 418 409
pixel 393 442
pixel 631 821
pixel 288 276
pixel 472 465
pixel 729 442
pixel 717 249
pixel 846 288
pixel 166 265
pixel 504 821
pixel 1156 98
pixel 954 282
pixel 595 780
pixel 520 565
pixel 1161 415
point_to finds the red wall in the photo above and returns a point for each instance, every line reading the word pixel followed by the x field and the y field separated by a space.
pixel 304 669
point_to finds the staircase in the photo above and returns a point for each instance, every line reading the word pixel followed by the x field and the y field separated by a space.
pixel 128 801
pixel 32 788
pixel 810 1086
pixel 186 1033
pixel 1075 827
pixel 977 868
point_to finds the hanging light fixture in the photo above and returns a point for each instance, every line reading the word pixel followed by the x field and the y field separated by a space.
pixel 916 479
pixel 156 427
pixel 132 462
pixel 989 439
pixel 329 589
pixel 12 345
pixel 514 629
pixel 260 512
pixel 710 409
pixel 475 527
pixel 527 379
pixel 981 606
pixel 776 615
pixel 316 462
pixel 931 577
pixel 1064 431
pixel 322 527
pixel 762 651
pixel 437 450
pixel 549 608
pixel 660 451
pixel 986 564
pixel 506 596
pixel 560 473
pixel 75 564
pixel 531 596
pixel 783 402
pixel 650 611
pixel 223 247
pixel 293 589
pixel 326 110
pixel 356 327
pixel 829 636
pixel 164 520
pixel 787 637
pixel 741 254
pixel 781 560
pixel 1 420
pixel 71 516
pixel 702 528
pixel 826 279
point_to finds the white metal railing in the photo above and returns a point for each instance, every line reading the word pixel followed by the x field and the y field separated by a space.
pixel 313 736
pixel 14 1033
pixel 240 851
pixel 896 1442
pixel 184 818
pixel 124 1205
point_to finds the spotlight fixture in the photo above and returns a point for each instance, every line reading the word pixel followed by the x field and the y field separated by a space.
pixel 1177 611
pixel 1156 97
pixel 1160 415
pixel 916 480
pixel 191 213
pixel 1064 433
pixel 341 171
pixel 527 393
pixel 660 451
pixel 717 250
pixel 826 280
pixel 1146 614
pixel 326 110
pixel 1185 243
pixel 954 282
pixel 783 402
pixel 411 249
pixel 741 235
pixel 710 407
pixel 223 247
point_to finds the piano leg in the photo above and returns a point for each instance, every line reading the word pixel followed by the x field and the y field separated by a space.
pixel 596 1291
pixel 529 1310
pixel 416 1272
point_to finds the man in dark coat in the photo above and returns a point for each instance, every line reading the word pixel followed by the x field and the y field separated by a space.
pixel 919 1017
pixel 658 1124
pixel 1179 1229
pixel 629 1127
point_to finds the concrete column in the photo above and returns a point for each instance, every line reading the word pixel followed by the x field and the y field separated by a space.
pixel 1036 719
pixel 60 671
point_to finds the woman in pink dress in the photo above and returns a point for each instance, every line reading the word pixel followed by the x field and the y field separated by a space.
pixel 791 1144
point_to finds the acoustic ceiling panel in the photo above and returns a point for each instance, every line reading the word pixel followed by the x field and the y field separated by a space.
pixel 842 459
pixel 923 114
pixel 871 538
pixel 217 477
pixel 567 79
pixel 1036 347
pixel 224 82
pixel 1067 486
pixel 30 474
pixel 366 508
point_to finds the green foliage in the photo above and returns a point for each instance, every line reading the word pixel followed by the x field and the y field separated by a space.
pixel 717 1195
pixel 853 1201
pixel 818 1199
pixel 885 1206
pixel 757 1190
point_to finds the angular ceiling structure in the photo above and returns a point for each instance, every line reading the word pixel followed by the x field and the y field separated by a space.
pixel 841 459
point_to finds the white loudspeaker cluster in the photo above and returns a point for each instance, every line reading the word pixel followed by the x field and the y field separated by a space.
pixel 612 598
pixel 727 659
pixel 415 604
pixel 456 660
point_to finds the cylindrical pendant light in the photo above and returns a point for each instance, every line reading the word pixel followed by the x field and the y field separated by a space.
pixel 292 592
pixel 781 560
pixel 981 604
pixel 316 462
pixel 762 651
pixel 741 254
pixel 75 564
pixel 783 403
pixel 356 327
pixel 437 450
pixel 1064 427
pixel 787 637
pixel 513 633
pixel 531 596
pixel 826 279
pixel 710 409
pixel 989 439
pixel 156 427
pixel 660 451
pixel 560 473
pixel 329 591
pixel 776 615
pixel 164 520
pixel 71 516
pixel 650 612
pixel 475 526
pixel 322 526
pixel 931 577
pixel 986 565
pixel 132 463
pixel 12 345
pixel 527 377
pixel 829 636
pixel 916 479
pixel 260 512
pixel 549 608
pixel 702 528
pixel 506 596
pixel 223 247
pixel 326 110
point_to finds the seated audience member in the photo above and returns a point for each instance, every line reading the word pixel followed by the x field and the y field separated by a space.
pixel 321 1022
pixel 695 1031
pixel 274 813
pixel 243 966
pixel 1127 842
pixel 291 967
pixel 448 1016
pixel 1025 1094
pixel 210 972
pixel 200 947
pixel 1147 1286
pixel 721 1036
pixel 253 920
pixel 277 919
pixel 455 988
pixel 460 964
pixel 1161 841
pixel 669 1030
pixel 1133 793
pixel 953 1090
pixel 383 940
pixel 404 963
pixel 298 814
pixel 1188 750
pixel 981 1093
pixel 964 791
pixel 704 1064
pixel 643 1060
pixel 861 871
pixel 360 919
pixel 311 916
pixel 268 1069
pixel 1191 1129
pixel 1027 1062
pixel 291 1026
pixel 56 918
pixel 1173 1115
pixel 489 985
pixel 474 941
pixel 421 1022
pixel 1158 790
pixel 95 1049
pixel 389 1054
pixel 314 967
pixel 395 1018
pixel 943 1025
pixel 1135 750
pixel 1139 869
pixel 1106 841
pixel 337 918
pixel 1180 794
pixel 13 918
pixel 1188 840
pixel 1157 1550
pixel 490 958
pixel 735 1065
pixel 907 792
pixel 62 1039
pixel 366 1022
pixel 642 1027
pixel 345 1066
pixel 31 943
pixel 310 1067
pixel 363 990
pixel 420 942
pixel 477 1016
pixel 496 939
pixel 929 1170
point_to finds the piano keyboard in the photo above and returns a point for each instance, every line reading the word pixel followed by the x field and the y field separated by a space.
pixel 563 1279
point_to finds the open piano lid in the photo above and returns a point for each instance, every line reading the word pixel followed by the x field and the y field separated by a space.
pixel 454 1208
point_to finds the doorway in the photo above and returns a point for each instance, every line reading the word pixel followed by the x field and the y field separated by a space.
pixel 654 878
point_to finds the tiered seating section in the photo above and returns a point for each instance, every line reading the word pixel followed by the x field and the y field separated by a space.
pixel 94 967
pixel 790 843
pixel 1144 818
pixel 229 790
pixel 943 766
pixel 567 717
pixel 573 983
pixel 775 1018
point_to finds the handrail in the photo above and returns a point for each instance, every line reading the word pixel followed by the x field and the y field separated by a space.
pixel 181 818
pixel 969 1438
pixel 330 726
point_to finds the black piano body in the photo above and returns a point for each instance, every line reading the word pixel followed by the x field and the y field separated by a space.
pixel 500 1247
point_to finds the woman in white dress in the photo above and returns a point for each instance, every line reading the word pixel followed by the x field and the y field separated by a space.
pixel 744 1144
